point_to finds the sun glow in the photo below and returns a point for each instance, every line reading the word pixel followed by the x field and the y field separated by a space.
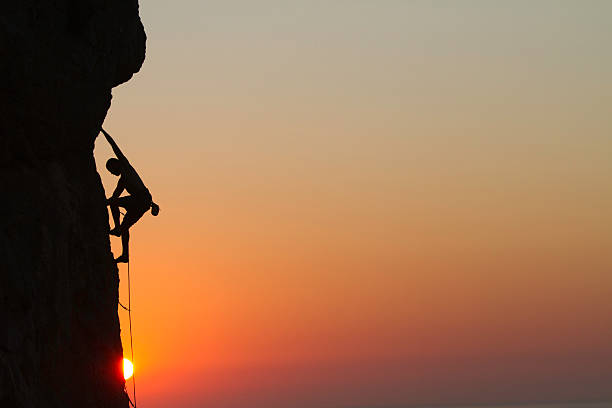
pixel 128 369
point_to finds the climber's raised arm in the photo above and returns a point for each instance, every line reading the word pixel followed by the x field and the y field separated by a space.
pixel 114 146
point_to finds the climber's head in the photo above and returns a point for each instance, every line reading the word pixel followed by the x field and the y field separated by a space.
pixel 114 166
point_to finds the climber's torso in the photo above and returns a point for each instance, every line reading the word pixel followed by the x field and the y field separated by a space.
pixel 132 182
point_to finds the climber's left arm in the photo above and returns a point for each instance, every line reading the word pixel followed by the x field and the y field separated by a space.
pixel 118 190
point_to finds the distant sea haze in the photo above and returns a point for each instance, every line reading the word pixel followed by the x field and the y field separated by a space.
pixel 527 405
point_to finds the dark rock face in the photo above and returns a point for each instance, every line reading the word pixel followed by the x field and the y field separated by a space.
pixel 59 329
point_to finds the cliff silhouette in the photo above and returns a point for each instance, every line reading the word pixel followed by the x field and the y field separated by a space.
pixel 60 340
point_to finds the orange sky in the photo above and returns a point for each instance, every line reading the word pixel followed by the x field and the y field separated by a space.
pixel 370 203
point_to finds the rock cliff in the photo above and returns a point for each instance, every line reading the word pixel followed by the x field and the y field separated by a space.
pixel 59 328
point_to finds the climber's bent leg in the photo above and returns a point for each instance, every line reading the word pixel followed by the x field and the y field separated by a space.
pixel 123 202
pixel 136 208
pixel 124 230
pixel 130 218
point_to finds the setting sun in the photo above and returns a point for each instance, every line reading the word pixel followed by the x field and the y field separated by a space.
pixel 128 369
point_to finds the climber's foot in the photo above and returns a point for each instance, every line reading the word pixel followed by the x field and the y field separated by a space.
pixel 123 259
pixel 115 231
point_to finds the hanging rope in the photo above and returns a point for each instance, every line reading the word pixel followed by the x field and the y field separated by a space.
pixel 131 336
pixel 129 310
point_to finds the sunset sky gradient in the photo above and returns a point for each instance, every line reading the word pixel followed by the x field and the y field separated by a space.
pixel 370 203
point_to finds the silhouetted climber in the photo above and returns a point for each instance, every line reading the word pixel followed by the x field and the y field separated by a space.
pixel 136 204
